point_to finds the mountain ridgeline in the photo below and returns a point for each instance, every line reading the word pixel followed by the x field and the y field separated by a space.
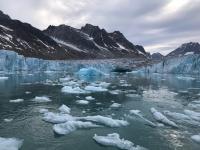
pixel 65 42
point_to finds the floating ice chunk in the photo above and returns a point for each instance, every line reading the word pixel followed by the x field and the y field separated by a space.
pixel 10 143
pixel 138 113
pixel 8 119
pixel 90 72
pixel 89 98
pixel 115 92
pixel 194 106
pixel 196 138
pixel 16 100
pixel 106 121
pixel 115 105
pixel 181 118
pixel 194 115
pixel 57 117
pixel 161 118
pixel 70 126
pixel 133 95
pixel 43 110
pixel 114 140
pixel 27 92
pixel 185 78
pixel 95 88
pixel 82 102
pixel 104 84
pixel 76 90
pixel 64 109
pixel 3 78
pixel 66 79
pixel 41 99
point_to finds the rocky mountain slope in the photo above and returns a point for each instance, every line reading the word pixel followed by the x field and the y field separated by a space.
pixel 157 56
pixel 65 42
pixel 185 49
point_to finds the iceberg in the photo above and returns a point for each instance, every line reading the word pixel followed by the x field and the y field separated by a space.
pixel 41 99
pixel 115 141
pixel 90 71
pixel 10 143
pixel 3 78
pixel 105 121
pixel 16 100
pixel 70 126
pixel 161 118
pixel 64 109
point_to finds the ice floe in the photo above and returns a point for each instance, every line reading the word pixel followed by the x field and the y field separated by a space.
pixel 115 105
pixel 95 88
pixel 16 100
pixel 196 138
pixel 105 121
pixel 41 99
pixel 194 115
pixel 3 78
pixel 70 126
pixel 161 118
pixel 89 98
pixel 57 117
pixel 10 143
pixel 64 109
pixel 115 141
pixel 8 119
pixel 82 102
pixel 73 90
pixel 138 114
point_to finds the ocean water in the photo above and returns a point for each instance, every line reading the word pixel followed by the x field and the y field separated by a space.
pixel 134 92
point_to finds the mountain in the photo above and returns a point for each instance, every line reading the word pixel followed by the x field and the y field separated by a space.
pixel 95 42
pixel 157 56
pixel 185 49
pixel 65 42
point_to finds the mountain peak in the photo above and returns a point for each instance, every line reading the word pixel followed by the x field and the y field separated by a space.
pixel 185 49
pixel 3 16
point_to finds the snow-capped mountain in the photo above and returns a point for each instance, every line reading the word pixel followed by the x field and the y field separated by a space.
pixel 65 42
pixel 186 49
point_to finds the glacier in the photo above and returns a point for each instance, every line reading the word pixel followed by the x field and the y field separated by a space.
pixel 188 64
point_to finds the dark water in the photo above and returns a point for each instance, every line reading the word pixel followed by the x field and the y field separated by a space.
pixel 162 92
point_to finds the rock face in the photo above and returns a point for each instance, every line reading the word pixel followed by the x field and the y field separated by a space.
pixel 65 42
pixel 157 56
pixel 185 49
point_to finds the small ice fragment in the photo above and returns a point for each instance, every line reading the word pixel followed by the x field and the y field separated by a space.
pixel 41 99
pixel 161 118
pixel 114 140
pixel 43 110
pixel 138 113
pixel 16 100
pixel 64 109
pixel 196 138
pixel 89 98
pixel 8 119
pixel 76 90
pixel 70 126
pixel 82 102
pixel 10 143
pixel 95 88
pixel 106 121
pixel 27 92
pixel 115 105
pixel 3 78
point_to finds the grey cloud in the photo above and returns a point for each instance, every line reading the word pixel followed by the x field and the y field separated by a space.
pixel 145 22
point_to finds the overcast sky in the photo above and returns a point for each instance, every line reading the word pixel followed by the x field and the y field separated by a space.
pixel 158 25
